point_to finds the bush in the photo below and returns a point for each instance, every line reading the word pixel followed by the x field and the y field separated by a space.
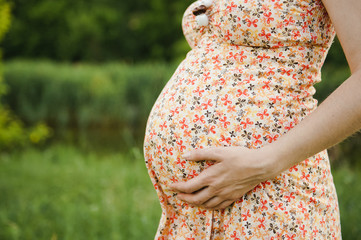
pixel 81 97
pixel 12 132
pixel 92 30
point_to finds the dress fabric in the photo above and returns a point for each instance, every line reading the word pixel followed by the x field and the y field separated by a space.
pixel 247 80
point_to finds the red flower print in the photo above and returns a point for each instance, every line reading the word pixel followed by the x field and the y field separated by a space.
pixel 300 206
pixel 290 196
pixel 228 35
pixel 234 236
pixel 246 123
pixel 263 114
pixel 246 215
pixel 224 139
pixel 284 71
pixel 294 168
pixel 191 81
pixel 216 59
pixel 169 151
pixel 264 34
pixel 263 57
pixel 183 124
pixel 201 212
pixel 250 79
pixel 272 138
pixel 164 125
pixel 290 237
pixel 257 137
pixel 197 118
pixel 270 71
pixel 207 76
pixel 231 108
pixel 231 6
pixel 305 176
pixel 268 17
pixel 225 100
pixel 275 99
pixel 174 111
pixel 212 129
pixel 198 91
pixel 251 22
pixel 224 121
pixel 289 21
pixel 181 146
pixel 264 207
pixel 181 162
pixel 240 92
pixel 266 84
pixel 261 220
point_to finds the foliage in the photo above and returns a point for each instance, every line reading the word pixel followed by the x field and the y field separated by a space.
pixel 348 185
pixel 110 96
pixel 12 131
pixel 62 193
pixel 14 134
pixel 91 30
pixel 4 17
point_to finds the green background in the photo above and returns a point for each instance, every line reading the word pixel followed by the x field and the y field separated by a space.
pixel 88 72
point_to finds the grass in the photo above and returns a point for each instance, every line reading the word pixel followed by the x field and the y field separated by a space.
pixel 64 193
pixel 348 185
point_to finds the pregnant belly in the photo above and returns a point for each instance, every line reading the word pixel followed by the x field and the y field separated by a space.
pixel 231 105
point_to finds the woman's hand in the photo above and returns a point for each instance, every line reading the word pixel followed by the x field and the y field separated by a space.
pixel 236 171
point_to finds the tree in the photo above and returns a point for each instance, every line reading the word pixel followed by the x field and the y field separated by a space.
pixel 12 131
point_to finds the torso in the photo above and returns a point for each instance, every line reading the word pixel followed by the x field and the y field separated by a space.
pixel 247 80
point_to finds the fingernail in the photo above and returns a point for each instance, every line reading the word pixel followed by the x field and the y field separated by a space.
pixel 173 186
pixel 179 196
pixel 186 155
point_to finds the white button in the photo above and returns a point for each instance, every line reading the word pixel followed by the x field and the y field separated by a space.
pixel 202 20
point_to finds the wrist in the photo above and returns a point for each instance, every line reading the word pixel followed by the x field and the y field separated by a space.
pixel 273 160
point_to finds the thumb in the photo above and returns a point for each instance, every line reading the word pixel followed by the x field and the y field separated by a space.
pixel 210 154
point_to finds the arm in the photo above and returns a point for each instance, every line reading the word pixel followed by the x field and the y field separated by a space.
pixel 340 114
pixel 335 119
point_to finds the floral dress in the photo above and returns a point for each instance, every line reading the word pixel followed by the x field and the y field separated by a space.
pixel 247 80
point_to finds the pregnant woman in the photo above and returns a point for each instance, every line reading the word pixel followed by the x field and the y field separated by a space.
pixel 234 143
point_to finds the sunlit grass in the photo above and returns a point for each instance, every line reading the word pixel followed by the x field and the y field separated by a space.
pixel 348 184
pixel 62 193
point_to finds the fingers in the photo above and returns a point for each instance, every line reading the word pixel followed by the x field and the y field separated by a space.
pixel 210 154
pixel 223 205
pixel 217 203
pixel 198 198
pixel 204 199
pixel 192 185
pixel 213 202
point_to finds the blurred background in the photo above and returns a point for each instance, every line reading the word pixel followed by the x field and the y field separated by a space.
pixel 78 80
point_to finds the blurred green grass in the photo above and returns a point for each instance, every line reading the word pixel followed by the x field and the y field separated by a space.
pixel 66 193
pixel 63 193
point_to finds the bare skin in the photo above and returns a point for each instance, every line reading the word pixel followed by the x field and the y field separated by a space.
pixel 238 170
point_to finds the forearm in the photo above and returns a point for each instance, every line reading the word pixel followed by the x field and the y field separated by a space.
pixel 335 119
